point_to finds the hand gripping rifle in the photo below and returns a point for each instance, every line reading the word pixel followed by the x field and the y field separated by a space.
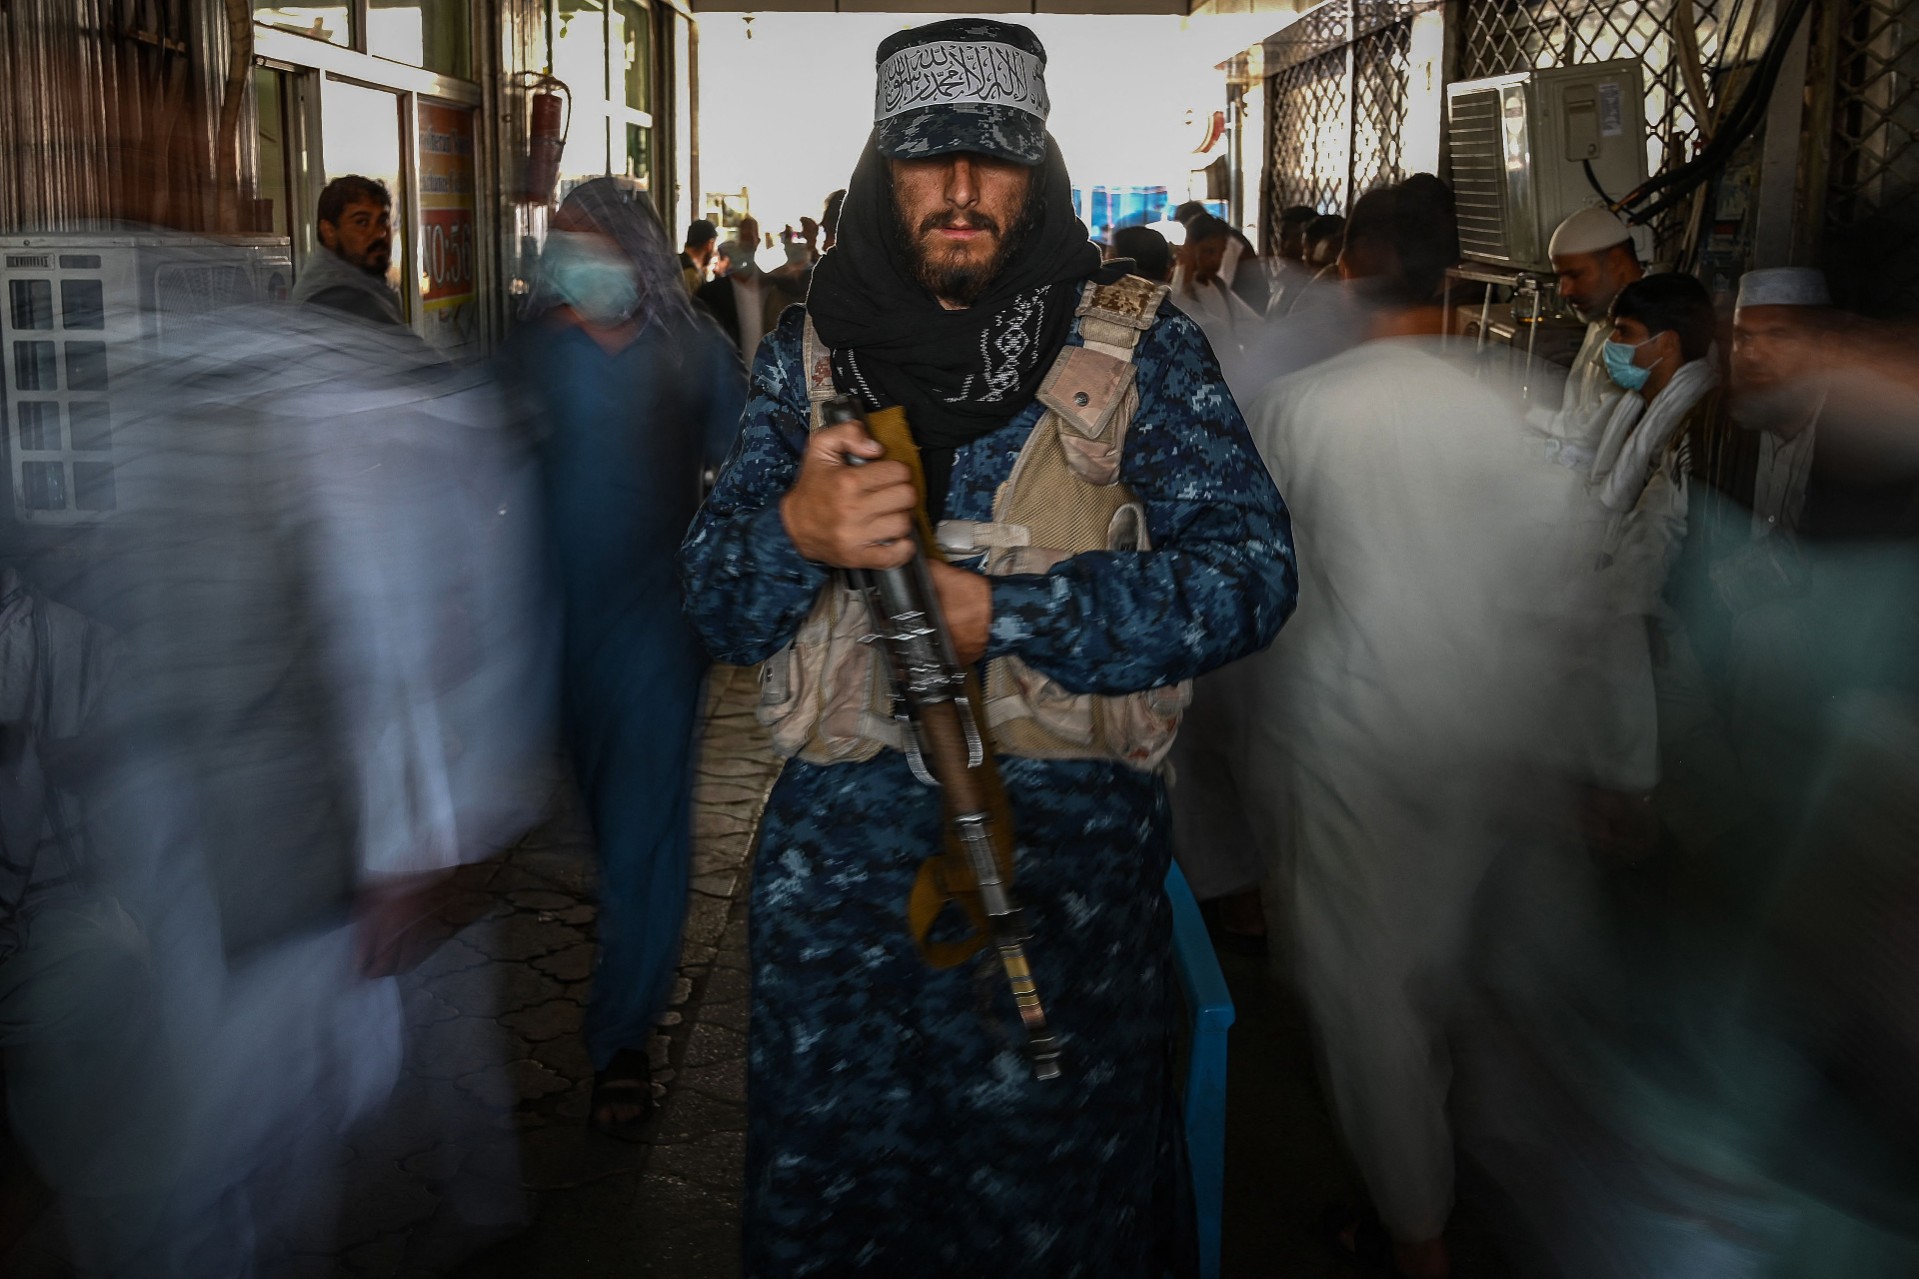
pixel 947 748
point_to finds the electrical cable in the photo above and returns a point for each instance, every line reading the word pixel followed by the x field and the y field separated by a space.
pixel 1746 113
pixel 1592 180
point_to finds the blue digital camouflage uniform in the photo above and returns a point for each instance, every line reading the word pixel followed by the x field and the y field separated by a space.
pixel 894 1128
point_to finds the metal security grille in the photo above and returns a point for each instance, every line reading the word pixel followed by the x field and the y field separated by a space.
pixel 1311 165
pixel 1872 197
pixel 1503 36
pixel 1380 65
pixel 1337 94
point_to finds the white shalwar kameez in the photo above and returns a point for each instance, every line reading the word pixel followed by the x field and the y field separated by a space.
pixel 1393 715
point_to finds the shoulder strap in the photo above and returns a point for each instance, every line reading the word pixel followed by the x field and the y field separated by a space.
pixel 1112 316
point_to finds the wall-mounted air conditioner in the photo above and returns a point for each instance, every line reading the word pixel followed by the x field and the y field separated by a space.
pixel 1528 150
pixel 78 312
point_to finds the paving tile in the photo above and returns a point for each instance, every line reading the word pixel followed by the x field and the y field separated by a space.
pixel 454 1047
pixel 452 956
pixel 731 1014
pixel 575 963
pixel 496 988
pixel 545 1021
pixel 724 985
pixel 561 1157
pixel 706 920
pixel 690 1115
pixel 420 1006
pixel 709 1044
pixel 385 1206
pixel 541 899
pixel 725 1080
pixel 716 1160
pixel 521 935
pixel 566 1057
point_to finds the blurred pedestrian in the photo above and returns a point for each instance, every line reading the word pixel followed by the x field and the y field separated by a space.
pixel 1146 249
pixel 639 394
pixel 737 296
pixel 1240 267
pixel 1381 736
pixel 697 254
pixel 328 582
pixel 1291 270
pixel 1201 291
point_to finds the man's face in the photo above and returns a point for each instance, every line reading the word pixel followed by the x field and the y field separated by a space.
pixel 1590 281
pixel 1776 362
pixel 961 216
pixel 1648 348
pixel 363 236
pixel 1202 258
pixel 702 252
pixel 1292 241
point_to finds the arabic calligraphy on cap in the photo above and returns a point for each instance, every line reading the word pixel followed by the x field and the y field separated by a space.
pixel 955 72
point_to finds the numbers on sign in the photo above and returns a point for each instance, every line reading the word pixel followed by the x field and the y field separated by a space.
pixel 448 254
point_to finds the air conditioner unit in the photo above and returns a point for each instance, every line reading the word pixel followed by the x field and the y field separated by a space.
pixel 1528 150
pixel 80 312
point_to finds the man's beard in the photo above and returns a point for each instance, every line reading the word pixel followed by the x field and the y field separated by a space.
pixel 962 280
pixel 376 264
pixel 1779 409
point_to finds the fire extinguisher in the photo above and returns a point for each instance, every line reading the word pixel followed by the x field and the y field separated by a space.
pixel 549 116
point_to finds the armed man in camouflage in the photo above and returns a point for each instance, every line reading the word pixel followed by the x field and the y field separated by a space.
pixel 1108 533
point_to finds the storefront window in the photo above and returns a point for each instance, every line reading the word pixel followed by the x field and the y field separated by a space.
pixel 633 43
pixel 579 59
pixel 639 155
pixel 270 207
pixel 435 34
pixel 330 22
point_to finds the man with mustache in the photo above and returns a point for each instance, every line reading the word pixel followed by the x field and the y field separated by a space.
pixel 894 1128
pixel 349 271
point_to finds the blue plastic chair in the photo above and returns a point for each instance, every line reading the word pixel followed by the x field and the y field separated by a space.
pixel 1210 1006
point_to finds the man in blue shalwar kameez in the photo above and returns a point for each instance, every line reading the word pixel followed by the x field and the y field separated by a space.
pixel 894 1128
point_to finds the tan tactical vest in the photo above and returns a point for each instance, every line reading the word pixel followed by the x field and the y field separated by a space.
pixel 825 698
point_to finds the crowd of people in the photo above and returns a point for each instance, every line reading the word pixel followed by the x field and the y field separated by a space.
pixel 1558 748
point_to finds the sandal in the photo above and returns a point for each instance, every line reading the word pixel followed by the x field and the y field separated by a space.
pixel 626 1085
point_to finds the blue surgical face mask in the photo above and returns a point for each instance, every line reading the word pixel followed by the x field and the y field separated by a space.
pixel 1621 369
pixel 591 277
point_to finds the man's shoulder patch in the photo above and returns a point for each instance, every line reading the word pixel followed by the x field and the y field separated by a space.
pixel 1131 301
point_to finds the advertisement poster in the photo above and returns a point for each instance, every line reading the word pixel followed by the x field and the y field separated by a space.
pixel 449 249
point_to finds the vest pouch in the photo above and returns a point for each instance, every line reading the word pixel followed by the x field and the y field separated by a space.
pixel 1140 727
pixel 819 695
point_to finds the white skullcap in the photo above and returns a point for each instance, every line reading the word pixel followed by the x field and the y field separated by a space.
pixel 1588 231
pixel 1784 286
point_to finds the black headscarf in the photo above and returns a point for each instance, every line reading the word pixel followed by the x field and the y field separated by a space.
pixel 958 374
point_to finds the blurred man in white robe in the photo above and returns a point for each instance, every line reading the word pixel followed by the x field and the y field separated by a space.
pixel 1393 724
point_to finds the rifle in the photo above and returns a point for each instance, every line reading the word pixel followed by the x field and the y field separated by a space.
pixel 946 747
